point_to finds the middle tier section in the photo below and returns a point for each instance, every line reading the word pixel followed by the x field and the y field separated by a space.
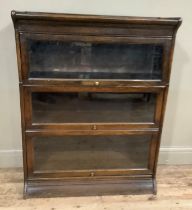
pixel 92 110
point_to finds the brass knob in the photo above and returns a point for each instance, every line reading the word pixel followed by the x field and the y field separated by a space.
pixel 92 174
pixel 97 83
pixel 94 127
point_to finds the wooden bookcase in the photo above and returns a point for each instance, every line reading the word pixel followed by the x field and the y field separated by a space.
pixel 93 93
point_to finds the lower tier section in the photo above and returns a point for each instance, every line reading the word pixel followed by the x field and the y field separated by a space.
pixel 120 186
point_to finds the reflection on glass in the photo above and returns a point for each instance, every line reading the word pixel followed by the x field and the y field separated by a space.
pixel 91 152
pixel 83 60
pixel 92 107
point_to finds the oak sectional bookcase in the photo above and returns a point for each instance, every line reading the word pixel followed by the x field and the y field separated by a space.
pixel 93 93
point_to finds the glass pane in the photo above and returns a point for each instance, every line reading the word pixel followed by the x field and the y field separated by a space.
pixel 91 152
pixel 82 60
pixel 93 107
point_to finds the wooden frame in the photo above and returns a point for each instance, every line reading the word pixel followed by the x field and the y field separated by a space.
pixel 88 126
pixel 165 42
pixel 99 173
pixel 97 29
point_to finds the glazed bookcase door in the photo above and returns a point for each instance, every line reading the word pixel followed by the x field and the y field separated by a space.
pixel 90 155
pixel 100 110
pixel 77 58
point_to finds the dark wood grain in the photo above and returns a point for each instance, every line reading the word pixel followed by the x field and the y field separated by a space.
pixel 89 188
pixel 47 145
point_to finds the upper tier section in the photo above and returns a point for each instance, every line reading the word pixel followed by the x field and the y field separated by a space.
pixel 72 47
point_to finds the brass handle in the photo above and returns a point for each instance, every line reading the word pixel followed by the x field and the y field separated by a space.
pixel 97 83
pixel 92 174
pixel 90 83
pixel 94 127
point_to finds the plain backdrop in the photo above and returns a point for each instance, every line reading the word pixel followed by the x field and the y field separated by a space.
pixel 176 146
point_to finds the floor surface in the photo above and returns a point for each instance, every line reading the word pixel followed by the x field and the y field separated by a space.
pixel 174 193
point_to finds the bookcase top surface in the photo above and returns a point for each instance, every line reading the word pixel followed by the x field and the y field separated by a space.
pixel 25 15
